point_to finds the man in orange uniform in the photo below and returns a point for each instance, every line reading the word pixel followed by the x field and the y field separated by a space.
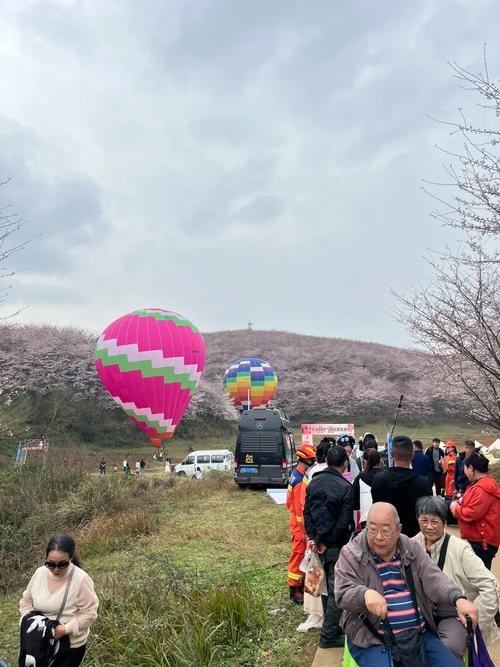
pixel 295 500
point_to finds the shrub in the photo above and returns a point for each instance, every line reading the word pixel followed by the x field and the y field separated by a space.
pixel 26 497
pixel 494 470
pixel 38 501
pixel 160 617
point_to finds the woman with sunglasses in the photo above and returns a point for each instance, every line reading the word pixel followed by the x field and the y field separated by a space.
pixel 46 591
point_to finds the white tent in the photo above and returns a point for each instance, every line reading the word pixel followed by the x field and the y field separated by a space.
pixel 495 445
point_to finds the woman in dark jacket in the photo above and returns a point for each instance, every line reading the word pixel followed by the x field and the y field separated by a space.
pixel 372 465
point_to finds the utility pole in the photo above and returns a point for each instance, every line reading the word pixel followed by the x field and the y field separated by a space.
pixel 249 326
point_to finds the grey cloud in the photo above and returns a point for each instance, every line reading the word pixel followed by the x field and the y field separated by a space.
pixel 260 209
pixel 57 24
pixel 57 294
pixel 206 133
pixel 62 211
pixel 221 208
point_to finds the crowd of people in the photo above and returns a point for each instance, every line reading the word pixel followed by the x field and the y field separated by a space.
pixel 396 581
pixel 140 467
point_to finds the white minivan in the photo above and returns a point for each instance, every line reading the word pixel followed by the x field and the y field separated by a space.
pixel 205 459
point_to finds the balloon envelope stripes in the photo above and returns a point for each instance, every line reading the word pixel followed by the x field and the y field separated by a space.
pixel 250 382
pixel 151 361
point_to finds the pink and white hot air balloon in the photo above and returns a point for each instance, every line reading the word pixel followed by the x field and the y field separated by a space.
pixel 151 361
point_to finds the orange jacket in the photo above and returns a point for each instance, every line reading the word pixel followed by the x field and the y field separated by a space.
pixel 295 500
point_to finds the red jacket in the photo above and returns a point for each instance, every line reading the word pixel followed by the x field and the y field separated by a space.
pixel 479 513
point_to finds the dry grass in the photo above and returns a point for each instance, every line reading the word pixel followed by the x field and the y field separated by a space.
pixel 105 534
pixel 186 573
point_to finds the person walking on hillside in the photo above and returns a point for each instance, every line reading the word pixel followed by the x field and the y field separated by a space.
pixel 102 467
pixel 328 519
pixel 435 454
pixel 420 463
pixel 401 486
pixel 478 512
pixel 295 499
pixel 142 466
pixel 60 595
pixel 461 479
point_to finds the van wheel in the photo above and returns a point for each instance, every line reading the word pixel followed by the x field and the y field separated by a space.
pixel 243 486
pixel 181 473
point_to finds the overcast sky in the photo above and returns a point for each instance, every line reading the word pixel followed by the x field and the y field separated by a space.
pixel 230 160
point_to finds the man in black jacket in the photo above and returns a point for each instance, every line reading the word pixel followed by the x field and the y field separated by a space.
pixel 328 520
pixel 400 486
pixel 461 479
pixel 435 454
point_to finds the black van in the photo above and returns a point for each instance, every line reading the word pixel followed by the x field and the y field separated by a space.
pixel 265 451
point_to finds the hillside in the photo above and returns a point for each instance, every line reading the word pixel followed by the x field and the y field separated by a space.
pixel 48 382
pixel 337 379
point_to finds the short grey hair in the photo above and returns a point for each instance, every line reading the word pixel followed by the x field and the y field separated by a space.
pixel 395 514
pixel 434 505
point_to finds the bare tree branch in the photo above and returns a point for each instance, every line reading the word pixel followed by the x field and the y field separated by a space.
pixel 475 177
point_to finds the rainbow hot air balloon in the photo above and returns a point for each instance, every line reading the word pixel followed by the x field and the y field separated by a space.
pixel 151 361
pixel 250 383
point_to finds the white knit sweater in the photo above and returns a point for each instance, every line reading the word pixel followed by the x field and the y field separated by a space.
pixel 45 594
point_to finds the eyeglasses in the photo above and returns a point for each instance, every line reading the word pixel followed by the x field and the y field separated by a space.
pixel 61 565
pixel 433 523
pixel 384 533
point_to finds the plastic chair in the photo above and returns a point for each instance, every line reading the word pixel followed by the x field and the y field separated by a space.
pixel 348 660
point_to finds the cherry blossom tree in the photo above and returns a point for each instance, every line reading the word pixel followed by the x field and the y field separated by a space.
pixel 456 317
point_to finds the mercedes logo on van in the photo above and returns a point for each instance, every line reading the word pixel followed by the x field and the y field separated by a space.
pixel 259 426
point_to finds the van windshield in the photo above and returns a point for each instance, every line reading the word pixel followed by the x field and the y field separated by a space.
pixel 188 460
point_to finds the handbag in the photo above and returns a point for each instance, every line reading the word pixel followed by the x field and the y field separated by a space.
pixel 37 640
pixel 62 646
pixel 478 653
pixel 407 649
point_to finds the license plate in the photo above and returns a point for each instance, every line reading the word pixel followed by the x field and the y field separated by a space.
pixel 248 470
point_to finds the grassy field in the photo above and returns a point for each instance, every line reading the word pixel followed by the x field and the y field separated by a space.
pixel 188 573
